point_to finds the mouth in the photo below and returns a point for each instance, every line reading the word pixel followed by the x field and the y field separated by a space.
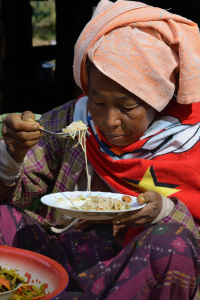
pixel 114 137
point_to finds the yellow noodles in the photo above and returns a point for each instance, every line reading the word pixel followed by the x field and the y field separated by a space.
pixel 80 129
pixel 76 128
pixel 100 203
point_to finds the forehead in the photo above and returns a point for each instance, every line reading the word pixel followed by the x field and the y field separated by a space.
pixel 101 85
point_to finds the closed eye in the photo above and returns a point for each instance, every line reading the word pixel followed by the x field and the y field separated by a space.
pixel 98 101
pixel 128 108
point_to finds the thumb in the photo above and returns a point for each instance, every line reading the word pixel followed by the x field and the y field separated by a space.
pixel 149 196
pixel 141 199
pixel 28 116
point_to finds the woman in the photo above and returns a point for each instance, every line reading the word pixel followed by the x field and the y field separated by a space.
pixel 138 67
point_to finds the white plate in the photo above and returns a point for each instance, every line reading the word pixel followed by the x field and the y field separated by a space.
pixel 59 201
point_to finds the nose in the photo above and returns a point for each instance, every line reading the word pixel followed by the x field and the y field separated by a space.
pixel 112 117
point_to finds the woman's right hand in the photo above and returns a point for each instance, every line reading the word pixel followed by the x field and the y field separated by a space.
pixel 20 133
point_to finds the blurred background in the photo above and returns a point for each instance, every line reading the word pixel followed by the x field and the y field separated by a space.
pixel 37 46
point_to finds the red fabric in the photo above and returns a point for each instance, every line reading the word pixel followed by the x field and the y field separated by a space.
pixel 175 172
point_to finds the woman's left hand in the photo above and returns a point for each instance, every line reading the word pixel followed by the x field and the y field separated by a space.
pixel 145 215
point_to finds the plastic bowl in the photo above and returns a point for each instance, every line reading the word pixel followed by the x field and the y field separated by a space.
pixel 7 295
pixel 36 269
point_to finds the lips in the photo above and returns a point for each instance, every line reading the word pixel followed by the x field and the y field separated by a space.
pixel 118 140
pixel 115 137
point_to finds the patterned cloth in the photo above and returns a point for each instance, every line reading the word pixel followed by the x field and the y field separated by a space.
pixel 160 262
pixel 52 166
pixel 163 262
pixel 158 161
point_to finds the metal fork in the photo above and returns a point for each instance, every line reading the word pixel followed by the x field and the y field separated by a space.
pixel 58 134
pixel 71 200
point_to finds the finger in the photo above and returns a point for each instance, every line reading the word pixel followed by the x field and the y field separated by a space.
pixel 25 135
pixel 130 222
pixel 15 122
pixel 23 139
pixel 147 213
pixel 134 221
pixel 141 199
pixel 16 116
pixel 28 116
pixel 148 197
pixel 122 218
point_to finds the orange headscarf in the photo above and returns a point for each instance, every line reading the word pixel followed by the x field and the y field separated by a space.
pixel 142 48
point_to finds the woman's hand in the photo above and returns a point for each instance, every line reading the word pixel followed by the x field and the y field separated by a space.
pixel 145 215
pixel 20 133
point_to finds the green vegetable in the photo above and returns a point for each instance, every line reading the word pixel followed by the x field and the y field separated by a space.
pixel 27 292
pixel 9 279
pixel 12 277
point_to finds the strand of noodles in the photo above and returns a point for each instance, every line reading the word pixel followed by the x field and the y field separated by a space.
pixel 82 142
pixel 80 128
pixel 99 203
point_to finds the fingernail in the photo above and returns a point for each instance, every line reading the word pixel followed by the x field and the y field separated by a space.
pixel 35 126
pixel 28 119
pixel 141 200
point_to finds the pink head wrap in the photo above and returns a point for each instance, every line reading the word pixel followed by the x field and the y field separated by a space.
pixel 142 48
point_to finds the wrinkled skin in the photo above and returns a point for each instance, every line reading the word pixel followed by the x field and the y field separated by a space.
pixel 20 133
pixel 145 215
pixel 120 115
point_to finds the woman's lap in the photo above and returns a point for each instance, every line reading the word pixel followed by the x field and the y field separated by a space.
pixel 161 263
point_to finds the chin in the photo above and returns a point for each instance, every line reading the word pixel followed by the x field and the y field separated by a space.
pixel 120 144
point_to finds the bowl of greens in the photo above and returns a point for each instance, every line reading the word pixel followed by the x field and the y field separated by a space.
pixel 10 282
pixel 28 275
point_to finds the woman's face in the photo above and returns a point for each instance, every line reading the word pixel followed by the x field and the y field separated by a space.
pixel 121 116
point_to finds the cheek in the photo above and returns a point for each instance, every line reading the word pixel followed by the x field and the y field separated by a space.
pixel 146 116
pixel 95 112
pixel 139 124
pixel 144 123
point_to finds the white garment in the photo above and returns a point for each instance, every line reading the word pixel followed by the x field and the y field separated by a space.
pixel 10 170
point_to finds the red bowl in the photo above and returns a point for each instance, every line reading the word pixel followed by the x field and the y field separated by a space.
pixel 36 269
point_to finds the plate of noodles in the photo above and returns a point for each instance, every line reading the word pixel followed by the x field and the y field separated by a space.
pixel 91 205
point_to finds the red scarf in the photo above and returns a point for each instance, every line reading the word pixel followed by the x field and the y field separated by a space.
pixel 166 159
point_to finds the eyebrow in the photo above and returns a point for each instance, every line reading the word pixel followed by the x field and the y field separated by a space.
pixel 122 98
pixel 118 98
pixel 94 93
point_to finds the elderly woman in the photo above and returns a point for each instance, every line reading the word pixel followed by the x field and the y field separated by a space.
pixel 139 69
